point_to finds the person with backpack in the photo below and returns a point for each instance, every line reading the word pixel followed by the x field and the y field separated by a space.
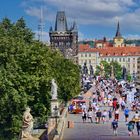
pixel 138 127
pixel 131 125
pixel 115 127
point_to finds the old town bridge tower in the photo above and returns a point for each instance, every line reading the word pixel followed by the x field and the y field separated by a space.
pixel 63 38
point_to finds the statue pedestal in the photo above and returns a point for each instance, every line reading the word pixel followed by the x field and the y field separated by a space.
pixel 54 104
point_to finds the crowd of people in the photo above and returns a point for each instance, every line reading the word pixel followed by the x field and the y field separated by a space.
pixel 109 99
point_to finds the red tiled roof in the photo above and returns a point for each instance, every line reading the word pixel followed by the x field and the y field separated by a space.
pixel 112 51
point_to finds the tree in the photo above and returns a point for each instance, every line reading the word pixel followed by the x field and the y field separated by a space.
pixel 117 69
pixel 26 70
pixel 107 68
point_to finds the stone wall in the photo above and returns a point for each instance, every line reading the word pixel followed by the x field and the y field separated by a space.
pixel 60 126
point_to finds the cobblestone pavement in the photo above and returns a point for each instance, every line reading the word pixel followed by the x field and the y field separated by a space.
pixel 93 131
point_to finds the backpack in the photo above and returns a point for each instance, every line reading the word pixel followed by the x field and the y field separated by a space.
pixel 130 127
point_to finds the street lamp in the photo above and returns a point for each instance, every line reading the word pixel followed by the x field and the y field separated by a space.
pixel 56 115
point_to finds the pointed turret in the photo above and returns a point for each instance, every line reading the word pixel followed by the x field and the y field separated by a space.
pixel 118 34
pixel 61 22
pixel 74 27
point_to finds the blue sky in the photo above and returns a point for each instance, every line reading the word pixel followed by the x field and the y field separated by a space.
pixel 95 18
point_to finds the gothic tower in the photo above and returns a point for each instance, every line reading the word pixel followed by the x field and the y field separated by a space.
pixel 63 38
pixel 118 39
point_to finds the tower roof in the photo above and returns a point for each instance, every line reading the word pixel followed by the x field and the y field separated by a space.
pixel 118 34
pixel 61 22
pixel 74 27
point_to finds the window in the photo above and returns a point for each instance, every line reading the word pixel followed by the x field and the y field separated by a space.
pixel 89 55
pixel 133 65
pixel 108 59
pixel 89 61
pixel 85 55
pixel 81 55
pixel 123 59
pixel 133 59
pixel 128 59
pixel 120 59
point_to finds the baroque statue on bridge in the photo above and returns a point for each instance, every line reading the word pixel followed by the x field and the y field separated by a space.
pixel 27 124
pixel 54 88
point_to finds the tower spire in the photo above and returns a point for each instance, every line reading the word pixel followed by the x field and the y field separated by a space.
pixel 61 22
pixel 118 34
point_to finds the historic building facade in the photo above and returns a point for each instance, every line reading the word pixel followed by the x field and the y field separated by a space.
pixel 88 56
pixel 63 38
pixel 126 56
pixel 138 68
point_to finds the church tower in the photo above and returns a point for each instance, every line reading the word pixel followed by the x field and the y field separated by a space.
pixel 118 39
pixel 63 38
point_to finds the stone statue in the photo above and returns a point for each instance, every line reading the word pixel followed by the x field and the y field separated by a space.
pixel 112 72
pixel 85 69
pixel 27 124
pixel 124 73
pixel 91 70
pixel 102 72
pixel 54 90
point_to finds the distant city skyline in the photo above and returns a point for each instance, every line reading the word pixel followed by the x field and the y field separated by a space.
pixel 95 18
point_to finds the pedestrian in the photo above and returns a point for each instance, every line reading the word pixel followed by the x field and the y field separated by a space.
pixel 126 113
pixel 98 116
pixel 136 116
pixel 115 127
pixel 114 104
pixel 117 114
pixel 131 125
pixel 123 105
pixel 90 114
pixel 110 114
pixel 138 127
pixel 104 116
pixel 84 115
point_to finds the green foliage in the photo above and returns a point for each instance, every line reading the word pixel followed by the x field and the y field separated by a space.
pixel 26 69
pixel 117 69
pixel 134 41
pixel 107 68
pixel 129 78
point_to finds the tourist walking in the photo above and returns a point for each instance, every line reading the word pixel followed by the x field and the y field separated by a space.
pixel 110 114
pixel 138 127
pixel 126 113
pixel 98 116
pixel 115 127
pixel 104 116
pixel 84 115
pixel 131 125
pixel 116 114
pixel 90 114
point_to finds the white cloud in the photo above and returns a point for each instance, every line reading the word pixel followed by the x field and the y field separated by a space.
pixel 99 12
